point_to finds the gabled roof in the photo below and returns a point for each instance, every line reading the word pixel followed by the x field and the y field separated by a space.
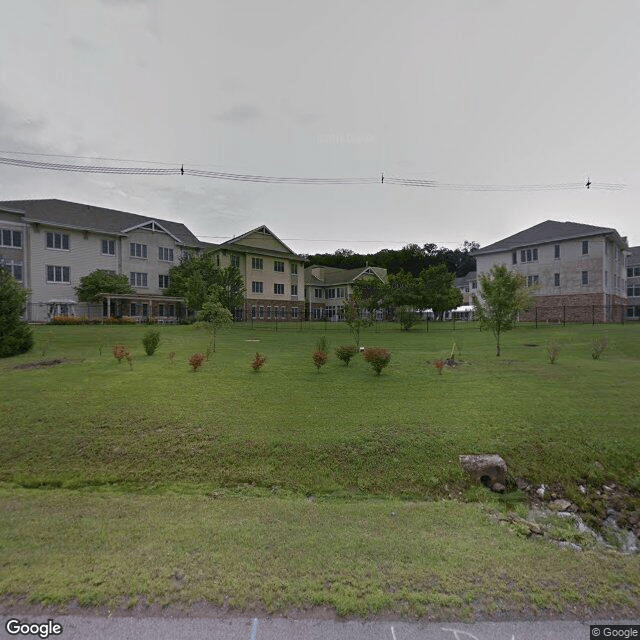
pixel 336 276
pixel 237 243
pixel 86 217
pixel 548 231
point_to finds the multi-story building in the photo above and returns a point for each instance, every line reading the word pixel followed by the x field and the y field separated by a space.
pixel 468 286
pixel 48 245
pixel 577 271
pixel 272 272
pixel 328 288
pixel 633 284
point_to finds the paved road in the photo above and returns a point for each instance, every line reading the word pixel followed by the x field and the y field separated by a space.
pixel 123 628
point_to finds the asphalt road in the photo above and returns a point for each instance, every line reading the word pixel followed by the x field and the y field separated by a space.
pixel 130 628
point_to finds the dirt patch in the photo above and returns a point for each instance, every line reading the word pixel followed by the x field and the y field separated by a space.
pixel 40 364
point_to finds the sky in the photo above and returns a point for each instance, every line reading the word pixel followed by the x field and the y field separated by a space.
pixel 490 96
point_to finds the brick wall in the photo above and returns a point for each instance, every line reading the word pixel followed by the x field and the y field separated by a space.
pixel 587 307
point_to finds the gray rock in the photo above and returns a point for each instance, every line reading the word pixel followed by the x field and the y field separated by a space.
pixel 560 504
pixel 498 488
pixel 540 491
pixel 487 469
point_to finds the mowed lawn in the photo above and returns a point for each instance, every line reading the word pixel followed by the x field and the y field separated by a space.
pixel 290 487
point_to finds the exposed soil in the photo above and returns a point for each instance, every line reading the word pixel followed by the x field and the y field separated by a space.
pixel 40 364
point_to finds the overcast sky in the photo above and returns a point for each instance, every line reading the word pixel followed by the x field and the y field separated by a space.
pixel 464 92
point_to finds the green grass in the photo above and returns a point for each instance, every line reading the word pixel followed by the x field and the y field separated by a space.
pixel 205 474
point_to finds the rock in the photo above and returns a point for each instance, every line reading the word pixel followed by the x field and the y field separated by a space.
pixel 540 491
pixel 630 543
pixel 487 469
pixel 522 484
pixel 582 489
pixel 560 504
pixel 498 488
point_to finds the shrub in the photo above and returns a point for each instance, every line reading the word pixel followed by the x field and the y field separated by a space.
pixel 151 341
pixel 553 351
pixel 120 352
pixel 378 358
pixel 196 360
pixel 346 352
pixel 599 345
pixel 319 359
pixel 172 357
pixel 68 320
pixel 130 360
pixel 439 365
pixel 258 361
pixel 321 345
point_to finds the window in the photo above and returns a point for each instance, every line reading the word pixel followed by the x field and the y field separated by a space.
pixel 514 257
pixel 585 247
pixel 133 309
pixel 474 284
pixel 341 292
pixel 268 313
pixel 585 277
pixel 318 293
pixel 283 312
pixel 294 268
pixel 138 250
pixel 636 271
pixel 532 280
pixel 184 256
pixel 137 279
pixel 278 288
pixel 163 281
pixel 165 254
pixel 10 238
pixel 58 274
pixel 529 255
pixel 556 252
pixel 331 293
pixel 256 263
pixel 606 278
pixel 278 265
pixel 556 279
pixel 253 313
pixel 631 291
pixel 261 313
pixel 295 312
pixel 14 267
pixel 161 310
pixel 629 272
pixel 57 241
pixel 109 247
pixel 294 289
pixel 257 287
pixel 235 261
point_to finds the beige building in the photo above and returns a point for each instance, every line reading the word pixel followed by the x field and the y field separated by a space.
pixel 577 271
pixel 328 288
pixel 272 272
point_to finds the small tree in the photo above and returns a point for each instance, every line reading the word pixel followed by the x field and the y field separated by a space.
pixel 16 335
pixel 98 282
pixel 151 341
pixel 319 359
pixel 213 316
pixel 504 296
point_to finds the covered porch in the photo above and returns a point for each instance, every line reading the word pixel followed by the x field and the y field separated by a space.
pixel 143 308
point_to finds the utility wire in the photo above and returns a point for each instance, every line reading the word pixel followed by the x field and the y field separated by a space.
pixel 242 177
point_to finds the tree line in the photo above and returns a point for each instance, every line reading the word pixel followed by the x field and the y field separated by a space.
pixel 412 258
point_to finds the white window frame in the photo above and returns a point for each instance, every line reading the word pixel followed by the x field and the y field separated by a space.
pixel 163 280
pixel 13 267
pixel 57 238
pixel 108 244
pixel 278 266
pixel 278 289
pixel 58 273
pixel 165 254
pixel 139 279
pixel 11 234
pixel 257 264
pixel 257 286
pixel 138 250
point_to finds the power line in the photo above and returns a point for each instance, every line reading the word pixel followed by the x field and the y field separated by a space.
pixel 264 179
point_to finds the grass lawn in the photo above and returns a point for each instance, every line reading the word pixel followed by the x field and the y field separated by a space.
pixel 275 488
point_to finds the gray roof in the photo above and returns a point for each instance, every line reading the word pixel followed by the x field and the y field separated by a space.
pixel 634 256
pixel 548 231
pixel 335 275
pixel 74 215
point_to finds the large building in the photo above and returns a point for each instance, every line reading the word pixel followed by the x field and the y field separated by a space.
pixel 48 245
pixel 577 271
pixel 328 288
pixel 633 284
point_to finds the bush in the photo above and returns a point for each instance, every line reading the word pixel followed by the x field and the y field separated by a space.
pixel 16 335
pixel 120 352
pixel 346 352
pixel 258 361
pixel 439 365
pixel 553 351
pixel 151 341
pixel 321 345
pixel 378 358
pixel 599 345
pixel 196 360
pixel 319 359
